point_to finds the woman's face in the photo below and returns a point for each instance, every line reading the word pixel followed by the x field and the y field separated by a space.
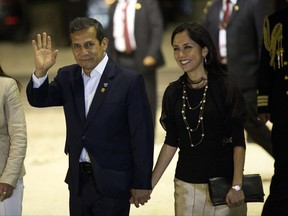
pixel 187 53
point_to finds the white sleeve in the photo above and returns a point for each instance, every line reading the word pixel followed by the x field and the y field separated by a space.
pixel 37 82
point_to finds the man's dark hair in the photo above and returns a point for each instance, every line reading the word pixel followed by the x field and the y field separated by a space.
pixel 80 23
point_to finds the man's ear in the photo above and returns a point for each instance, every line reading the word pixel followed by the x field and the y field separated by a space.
pixel 104 43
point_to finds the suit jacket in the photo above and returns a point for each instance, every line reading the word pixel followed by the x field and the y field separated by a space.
pixel 148 31
pixel 244 38
pixel 117 132
pixel 273 81
pixel 13 136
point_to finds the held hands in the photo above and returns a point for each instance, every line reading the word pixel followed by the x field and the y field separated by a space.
pixel 235 198
pixel 6 191
pixel 139 196
pixel 44 58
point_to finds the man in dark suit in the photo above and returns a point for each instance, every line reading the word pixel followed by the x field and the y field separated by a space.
pixel 109 124
pixel 239 39
pixel 145 30
pixel 273 105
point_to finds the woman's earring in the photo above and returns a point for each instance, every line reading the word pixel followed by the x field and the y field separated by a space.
pixel 205 60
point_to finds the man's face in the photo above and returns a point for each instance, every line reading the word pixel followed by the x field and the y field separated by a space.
pixel 88 51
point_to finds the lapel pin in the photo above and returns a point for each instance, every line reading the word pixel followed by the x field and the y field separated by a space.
pixel 103 89
pixel 138 6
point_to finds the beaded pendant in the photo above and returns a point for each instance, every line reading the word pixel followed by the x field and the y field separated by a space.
pixel 201 106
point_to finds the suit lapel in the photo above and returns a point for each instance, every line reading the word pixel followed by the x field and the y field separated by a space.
pixel 235 11
pixel 138 10
pixel 78 89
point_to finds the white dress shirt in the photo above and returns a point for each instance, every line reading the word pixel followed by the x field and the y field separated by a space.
pixel 222 31
pixel 90 86
pixel 118 26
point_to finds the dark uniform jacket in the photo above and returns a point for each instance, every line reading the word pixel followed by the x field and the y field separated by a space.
pixel 273 76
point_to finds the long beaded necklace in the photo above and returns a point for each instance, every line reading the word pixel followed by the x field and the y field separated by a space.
pixel 201 106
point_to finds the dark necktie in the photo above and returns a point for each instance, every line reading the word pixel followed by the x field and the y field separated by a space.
pixel 227 14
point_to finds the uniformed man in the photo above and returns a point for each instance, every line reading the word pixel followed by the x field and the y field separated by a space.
pixel 273 105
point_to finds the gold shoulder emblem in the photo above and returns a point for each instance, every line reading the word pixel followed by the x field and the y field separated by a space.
pixel 273 42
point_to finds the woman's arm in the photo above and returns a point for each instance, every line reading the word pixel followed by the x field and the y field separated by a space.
pixel 236 197
pixel 164 158
pixel 15 117
pixel 239 160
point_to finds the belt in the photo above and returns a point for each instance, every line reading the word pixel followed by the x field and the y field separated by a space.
pixel 86 167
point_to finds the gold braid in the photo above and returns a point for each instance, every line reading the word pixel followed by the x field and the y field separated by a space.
pixel 273 43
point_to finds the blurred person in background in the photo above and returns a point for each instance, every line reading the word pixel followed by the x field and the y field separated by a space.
pixel 273 105
pixel 203 115
pixel 236 28
pixel 13 144
pixel 70 10
pixel 98 9
pixel 136 43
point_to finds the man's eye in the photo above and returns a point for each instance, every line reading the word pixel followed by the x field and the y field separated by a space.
pixel 89 45
pixel 76 46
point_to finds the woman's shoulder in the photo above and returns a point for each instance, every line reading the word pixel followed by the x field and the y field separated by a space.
pixel 222 80
pixel 8 86
pixel 7 82
pixel 174 85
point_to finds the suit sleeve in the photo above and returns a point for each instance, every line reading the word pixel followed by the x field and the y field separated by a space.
pixel 156 22
pixel 142 135
pixel 16 122
pixel 46 95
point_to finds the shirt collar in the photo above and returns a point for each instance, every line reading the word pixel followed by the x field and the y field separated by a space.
pixel 233 2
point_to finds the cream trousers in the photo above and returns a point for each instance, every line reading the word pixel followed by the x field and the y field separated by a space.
pixel 13 205
pixel 194 200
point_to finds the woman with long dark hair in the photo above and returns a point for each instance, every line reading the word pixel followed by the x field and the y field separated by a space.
pixel 203 115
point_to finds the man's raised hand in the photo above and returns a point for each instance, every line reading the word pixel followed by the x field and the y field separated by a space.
pixel 44 57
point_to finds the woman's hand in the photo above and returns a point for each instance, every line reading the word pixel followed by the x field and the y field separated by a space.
pixel 6 191
pixel 235 198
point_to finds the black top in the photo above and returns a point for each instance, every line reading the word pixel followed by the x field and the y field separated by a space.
pixel 223 118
